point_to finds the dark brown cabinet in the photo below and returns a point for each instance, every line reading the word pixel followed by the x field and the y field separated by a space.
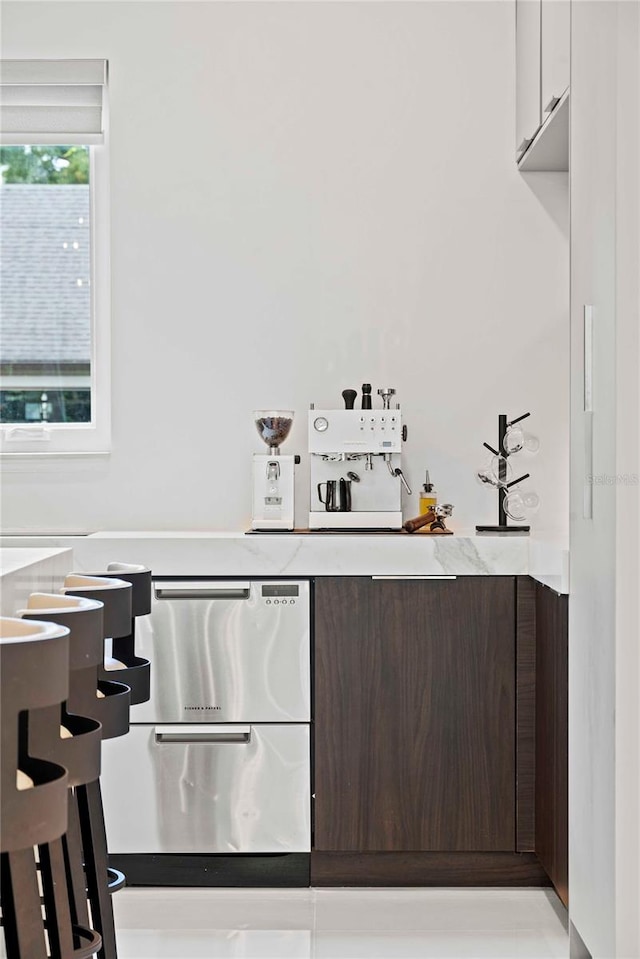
pixel 552 668
pixel 415 714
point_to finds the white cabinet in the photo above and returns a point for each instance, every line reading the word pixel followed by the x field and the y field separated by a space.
pixel 555 46
pixel 528 75
pixel 604 806
pixel 543 44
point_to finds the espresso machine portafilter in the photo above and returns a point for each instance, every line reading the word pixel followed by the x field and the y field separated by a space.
pixel 364 448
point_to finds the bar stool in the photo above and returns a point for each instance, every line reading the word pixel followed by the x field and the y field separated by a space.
pixel 79 747
pixel 137 671
pixel 34 661
pixel 65 735
pixel 115 595
pixel 124 665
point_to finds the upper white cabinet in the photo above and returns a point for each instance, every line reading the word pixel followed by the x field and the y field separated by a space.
pixel 555 45
pixel 543 42
pixel 528 73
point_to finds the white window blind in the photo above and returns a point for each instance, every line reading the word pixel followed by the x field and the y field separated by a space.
pixel 52 101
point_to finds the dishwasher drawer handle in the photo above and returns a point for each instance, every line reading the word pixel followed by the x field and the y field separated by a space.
pixel 189 735
pixel 182 590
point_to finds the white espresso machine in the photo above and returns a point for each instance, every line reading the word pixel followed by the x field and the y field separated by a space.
pixel 356 472
pixel 273 474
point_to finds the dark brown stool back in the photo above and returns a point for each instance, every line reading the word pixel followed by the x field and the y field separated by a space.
pixel 112 706
pixel 34 664
pixel 78 749
pixel 114 593
pixel 107 703
pixel 140 579
pixel 136 671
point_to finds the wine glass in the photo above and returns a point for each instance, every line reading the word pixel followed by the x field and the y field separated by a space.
pixel 501 470
pixel 515 440
pixel 514 506
pixel 490 475
pixel 518 504
pixel 484 476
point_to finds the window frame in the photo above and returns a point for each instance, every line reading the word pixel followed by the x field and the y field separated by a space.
pixel 33 441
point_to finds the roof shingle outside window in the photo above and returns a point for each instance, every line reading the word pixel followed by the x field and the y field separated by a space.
pixel 45 311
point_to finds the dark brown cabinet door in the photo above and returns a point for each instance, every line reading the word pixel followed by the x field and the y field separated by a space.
pixel 415 714
pixel 552 753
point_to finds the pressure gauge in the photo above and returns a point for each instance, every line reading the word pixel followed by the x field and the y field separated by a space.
pixel 321 424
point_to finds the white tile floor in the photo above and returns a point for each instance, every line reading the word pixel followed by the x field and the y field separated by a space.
pixel 340 924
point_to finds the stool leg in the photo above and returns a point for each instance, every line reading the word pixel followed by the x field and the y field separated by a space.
pixel 55 896
pixel 94 843
pixel 72 846
pixel 21 912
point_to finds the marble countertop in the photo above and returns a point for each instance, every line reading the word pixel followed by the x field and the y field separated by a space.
pixel 32 569
pixel 549 562
pixel 202 553
pixel 20 558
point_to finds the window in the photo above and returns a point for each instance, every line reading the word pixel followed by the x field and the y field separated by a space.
pixel 45 284
pixel 53 267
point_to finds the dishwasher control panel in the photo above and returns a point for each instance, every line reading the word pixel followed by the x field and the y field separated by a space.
pixel 280 594
pixel 281 590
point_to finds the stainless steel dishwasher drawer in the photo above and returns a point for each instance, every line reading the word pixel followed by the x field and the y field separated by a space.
pixel 208 789
pixel 227 652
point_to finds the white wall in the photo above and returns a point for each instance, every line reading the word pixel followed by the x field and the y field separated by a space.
pixel 307 196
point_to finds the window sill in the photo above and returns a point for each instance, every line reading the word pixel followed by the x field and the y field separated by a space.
pixel 23 462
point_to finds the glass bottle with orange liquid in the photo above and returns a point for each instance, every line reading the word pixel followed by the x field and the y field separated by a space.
pixel 428 496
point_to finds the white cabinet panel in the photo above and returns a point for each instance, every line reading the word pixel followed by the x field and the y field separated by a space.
pixel 528 38
pixel 556 41
pixel 603 615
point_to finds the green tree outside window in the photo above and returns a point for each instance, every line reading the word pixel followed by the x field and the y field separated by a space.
pixel 46 164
